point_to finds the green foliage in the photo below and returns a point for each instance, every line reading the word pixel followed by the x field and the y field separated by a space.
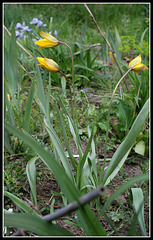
pixel 40 124
pixel 130 46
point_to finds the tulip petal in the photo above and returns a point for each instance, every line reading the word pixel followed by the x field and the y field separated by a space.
pixel 48 37
pixel 139 67
pixel 135 61
pixel 44 43
pixel 42 62
pixel 52 65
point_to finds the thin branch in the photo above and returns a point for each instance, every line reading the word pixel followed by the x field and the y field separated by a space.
pixel 99 28
pixel 91 46
pixel 108 43
pixel 99 191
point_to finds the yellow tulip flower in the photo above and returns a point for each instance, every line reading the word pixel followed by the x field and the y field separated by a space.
pixel 48 64
pixel 48 42
pixel 136 64
pixel 111 56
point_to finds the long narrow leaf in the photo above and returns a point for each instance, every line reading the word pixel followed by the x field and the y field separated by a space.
pixel 31 174
pixel 117 169
pixel 74 162
pixel 82 161
pixel 34 224
pixel 73 129
pixel 128 142
pixel 138 201
pixel 21 204
pixel 124 187
pixel 57 144
pixel 10 64
pixel 83 67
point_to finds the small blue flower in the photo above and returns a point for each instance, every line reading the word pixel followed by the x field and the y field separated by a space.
pixel 18 26
pixel 17 34
pixel 34 39
pixel 51 19
pixel 44 25
pixel 86 89
pixel 55 33
pixel 34 21
pixel 26 28
pixel 22 35
pixel 39 24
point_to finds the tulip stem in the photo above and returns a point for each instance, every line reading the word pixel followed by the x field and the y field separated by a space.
pixel 73 82
pixel 108 119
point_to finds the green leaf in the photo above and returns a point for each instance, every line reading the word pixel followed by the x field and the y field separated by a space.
pixel 82 161
pixel 118 38
pixel 10 64
pixel 74 162
pixel 34 224
pixel 83 67
pixel 59 148
pixel 140 148
pixel 125 186
pixel 143 34
pixel 138 201
pixel 128 141
pixel 125 113
pixel 73 129
pixel 117 169
pixel 21 204
pixel 31 174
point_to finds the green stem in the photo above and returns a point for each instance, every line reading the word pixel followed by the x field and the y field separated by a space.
pixel 108 118
pixel 73 82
